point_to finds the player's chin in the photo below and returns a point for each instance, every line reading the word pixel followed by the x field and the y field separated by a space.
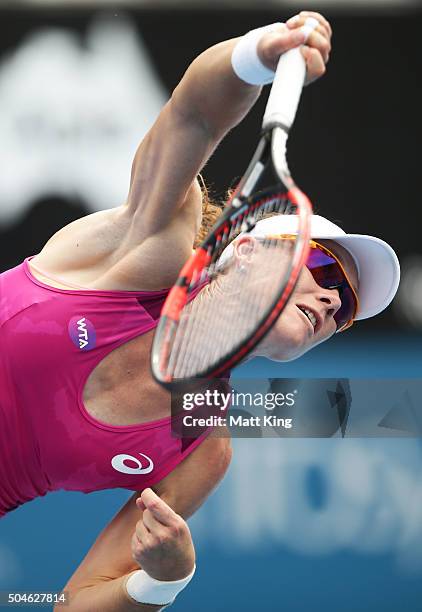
pixel 287 340
pixel 290 338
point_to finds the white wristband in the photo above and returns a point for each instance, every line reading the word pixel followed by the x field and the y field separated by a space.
pixel 144 589
pixel 245 60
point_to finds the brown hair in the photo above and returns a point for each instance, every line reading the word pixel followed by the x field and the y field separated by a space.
pixel 212 209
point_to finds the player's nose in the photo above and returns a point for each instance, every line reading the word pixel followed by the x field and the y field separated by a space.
pixel 331 300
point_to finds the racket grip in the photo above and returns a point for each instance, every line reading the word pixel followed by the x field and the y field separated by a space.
pixel 286 90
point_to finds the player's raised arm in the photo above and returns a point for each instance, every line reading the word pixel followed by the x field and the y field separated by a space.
pixel 210 100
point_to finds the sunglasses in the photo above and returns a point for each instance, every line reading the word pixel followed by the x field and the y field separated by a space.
pixel 329 273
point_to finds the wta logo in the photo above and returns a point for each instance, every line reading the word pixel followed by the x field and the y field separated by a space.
pixel 82 333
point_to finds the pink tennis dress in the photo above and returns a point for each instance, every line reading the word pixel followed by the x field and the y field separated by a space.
pixel 50 341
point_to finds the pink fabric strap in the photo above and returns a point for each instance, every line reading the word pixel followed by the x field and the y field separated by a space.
pixel 55 278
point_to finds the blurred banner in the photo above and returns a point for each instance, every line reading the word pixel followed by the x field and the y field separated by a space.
pixel 79 88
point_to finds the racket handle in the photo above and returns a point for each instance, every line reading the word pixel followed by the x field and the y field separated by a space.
pixel 286 90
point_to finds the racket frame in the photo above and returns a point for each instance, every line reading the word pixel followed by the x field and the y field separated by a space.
pixel 278 118
pixel 271 148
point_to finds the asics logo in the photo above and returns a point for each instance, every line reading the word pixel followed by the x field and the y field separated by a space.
pixel 119 464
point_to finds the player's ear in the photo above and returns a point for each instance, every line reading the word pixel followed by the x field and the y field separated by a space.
pixel 243 249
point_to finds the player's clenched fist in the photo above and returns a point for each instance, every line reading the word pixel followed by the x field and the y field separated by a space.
pixel 162 543
pixel 295 32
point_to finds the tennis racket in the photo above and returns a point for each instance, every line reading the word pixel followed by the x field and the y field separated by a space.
pixel 227 297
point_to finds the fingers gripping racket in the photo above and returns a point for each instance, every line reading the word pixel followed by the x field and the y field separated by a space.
pixel 228 296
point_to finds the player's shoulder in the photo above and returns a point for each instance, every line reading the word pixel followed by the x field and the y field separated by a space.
pixel 111 250
pixel 86 244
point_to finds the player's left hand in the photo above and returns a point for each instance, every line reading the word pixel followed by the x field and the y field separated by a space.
pixel 162 543
pixel 316 50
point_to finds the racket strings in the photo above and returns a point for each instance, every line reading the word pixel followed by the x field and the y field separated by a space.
pixel 268 270
pixel 231 317
pixel 235 299
pixel 275 204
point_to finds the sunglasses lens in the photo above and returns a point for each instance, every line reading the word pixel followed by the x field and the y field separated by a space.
pixel 328 274
pixel 324 268
pixel 348 307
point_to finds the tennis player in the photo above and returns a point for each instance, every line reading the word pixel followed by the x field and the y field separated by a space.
pixel 79 408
